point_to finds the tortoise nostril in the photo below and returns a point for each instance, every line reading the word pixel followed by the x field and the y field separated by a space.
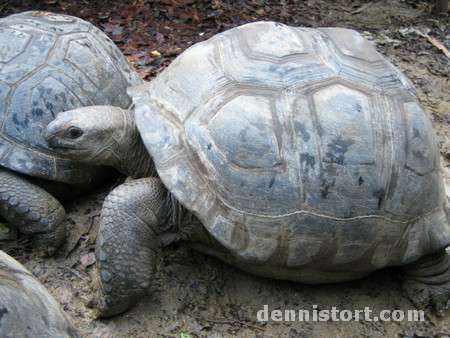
pixel 49 138
pixel 50 131
pixel 47 135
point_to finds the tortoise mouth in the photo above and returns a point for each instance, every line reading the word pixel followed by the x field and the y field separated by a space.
pixel 67 148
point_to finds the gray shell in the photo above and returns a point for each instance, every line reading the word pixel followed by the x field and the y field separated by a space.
pixel 298 147
pixel 26 308
pixel 51 63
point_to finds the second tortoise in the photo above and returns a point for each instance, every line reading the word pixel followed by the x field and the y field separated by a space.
pixel 49 63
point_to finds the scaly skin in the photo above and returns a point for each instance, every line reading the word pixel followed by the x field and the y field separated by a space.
pixel 138 219
pixel 133 217
pixel 32 210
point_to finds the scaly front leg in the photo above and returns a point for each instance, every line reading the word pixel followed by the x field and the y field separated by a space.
pixel 133 217
pixel 32 210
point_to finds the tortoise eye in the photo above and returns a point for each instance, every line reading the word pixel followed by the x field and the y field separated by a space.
pixel 73 133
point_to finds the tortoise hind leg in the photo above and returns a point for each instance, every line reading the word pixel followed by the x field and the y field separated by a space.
pixel 133 217
pixel 427 281
pixel 32 210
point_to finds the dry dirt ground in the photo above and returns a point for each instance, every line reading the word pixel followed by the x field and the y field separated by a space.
pixel 198 296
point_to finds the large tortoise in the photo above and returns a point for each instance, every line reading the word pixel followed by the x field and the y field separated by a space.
pixel 292 153
pixel 50 63
pixel 26 308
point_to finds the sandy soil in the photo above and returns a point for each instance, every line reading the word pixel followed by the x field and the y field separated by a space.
pixel 198 296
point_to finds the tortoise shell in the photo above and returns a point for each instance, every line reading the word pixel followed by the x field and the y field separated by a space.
pixel 297 147
pixel 51 63
pixel 28 309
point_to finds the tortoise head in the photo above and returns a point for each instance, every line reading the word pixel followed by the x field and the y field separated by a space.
pixel 95 135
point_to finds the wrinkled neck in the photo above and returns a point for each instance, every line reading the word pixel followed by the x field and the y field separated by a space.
pixel 131 157
pixel 136 161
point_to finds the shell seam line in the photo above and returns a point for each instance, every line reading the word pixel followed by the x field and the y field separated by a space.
pixel 335 218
